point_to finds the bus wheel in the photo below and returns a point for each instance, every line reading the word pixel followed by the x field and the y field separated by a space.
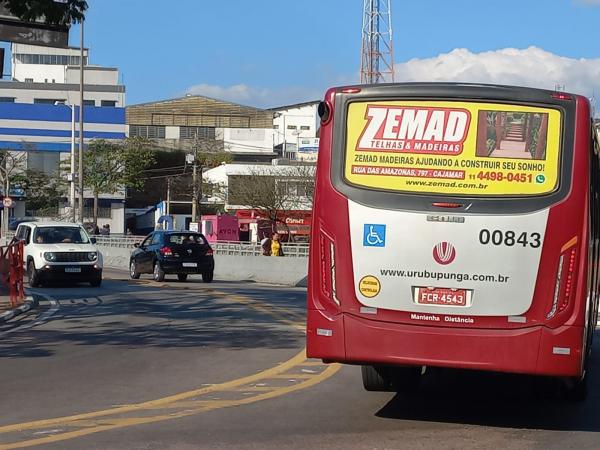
pixel 377 379
pixel 575 389
pixel 391 379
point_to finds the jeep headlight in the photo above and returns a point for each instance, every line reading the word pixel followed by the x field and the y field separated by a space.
pixel 50 256
pixel 92 256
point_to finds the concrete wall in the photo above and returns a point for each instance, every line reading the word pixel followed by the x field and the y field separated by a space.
pixel 265 269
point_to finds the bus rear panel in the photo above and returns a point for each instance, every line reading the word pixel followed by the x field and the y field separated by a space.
pixel 455 226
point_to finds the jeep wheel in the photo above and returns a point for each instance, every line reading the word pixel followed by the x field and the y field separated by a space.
pixel 207 277
pixel 97 280
pixel 33 276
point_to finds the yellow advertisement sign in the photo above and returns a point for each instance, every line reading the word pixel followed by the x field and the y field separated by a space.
pixel 453 147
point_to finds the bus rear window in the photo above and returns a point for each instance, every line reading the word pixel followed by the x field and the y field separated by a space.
pixel 454 148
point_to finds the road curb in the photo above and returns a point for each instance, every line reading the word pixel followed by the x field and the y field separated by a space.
pixel 30 303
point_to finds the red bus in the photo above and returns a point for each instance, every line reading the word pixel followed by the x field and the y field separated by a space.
pixel 455 225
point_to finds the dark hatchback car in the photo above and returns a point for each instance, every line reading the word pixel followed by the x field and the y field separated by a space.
pixel 173 252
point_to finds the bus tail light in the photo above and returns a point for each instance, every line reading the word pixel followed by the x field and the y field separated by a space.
pixel 561 96
pixel 327 267
pixel 565 278
pixel 447 205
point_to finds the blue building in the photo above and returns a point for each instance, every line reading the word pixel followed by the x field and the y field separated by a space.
pixel 36 116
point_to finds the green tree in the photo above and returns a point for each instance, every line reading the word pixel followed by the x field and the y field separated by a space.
pixel 111 167
pixel 43 191
pixel 52 12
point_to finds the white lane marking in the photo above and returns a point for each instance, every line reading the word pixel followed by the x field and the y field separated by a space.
pixel 54 306
pixel 58 430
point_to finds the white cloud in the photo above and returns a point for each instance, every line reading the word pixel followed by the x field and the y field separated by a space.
pixel 532 67
pixel 257 96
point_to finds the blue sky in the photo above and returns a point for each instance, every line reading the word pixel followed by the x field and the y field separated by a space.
pixel 269 53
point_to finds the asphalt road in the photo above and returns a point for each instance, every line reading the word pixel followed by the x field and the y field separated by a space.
pixel 136 365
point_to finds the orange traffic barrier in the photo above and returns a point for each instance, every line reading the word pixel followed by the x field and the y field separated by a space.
pixel 11 272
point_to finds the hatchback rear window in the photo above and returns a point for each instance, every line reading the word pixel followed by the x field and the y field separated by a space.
pixel 186 238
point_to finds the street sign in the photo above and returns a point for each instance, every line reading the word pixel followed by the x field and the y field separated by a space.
pixel 7 202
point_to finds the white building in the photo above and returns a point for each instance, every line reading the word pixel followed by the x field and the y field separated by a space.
pixel 296 127
pixel 177 123
pixel 292 179
pixel 47 75
pixel 36 117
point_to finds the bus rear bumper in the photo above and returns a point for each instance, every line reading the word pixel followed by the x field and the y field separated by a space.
pixel 534 350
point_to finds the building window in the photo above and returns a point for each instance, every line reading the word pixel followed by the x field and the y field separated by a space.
pixel 196 132
pixel 89 102
pixel 147 131
pixel 305 127
pixel 292 127
pixel 48 101
pixel 7 99
pixel 276 127
pixel 61 60
pixel 111 103
pixel 28 80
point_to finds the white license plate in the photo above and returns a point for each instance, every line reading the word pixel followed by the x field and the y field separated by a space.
pixel 189 264
pixel 73 269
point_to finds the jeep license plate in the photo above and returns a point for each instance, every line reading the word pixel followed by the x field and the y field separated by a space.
pixel 73 269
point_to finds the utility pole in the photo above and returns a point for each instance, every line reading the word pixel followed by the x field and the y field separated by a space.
pixel 72 174
pixel 377 61
pixel 195 190
pixel 168 208
pixel 80 171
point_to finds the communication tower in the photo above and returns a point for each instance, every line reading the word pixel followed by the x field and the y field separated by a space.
pixel 377 63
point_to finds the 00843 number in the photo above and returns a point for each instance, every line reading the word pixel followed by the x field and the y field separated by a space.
pixel 509 238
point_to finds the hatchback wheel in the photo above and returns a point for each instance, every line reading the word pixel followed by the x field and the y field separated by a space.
pixel 133 271
pixel 207 277
pixel 159 274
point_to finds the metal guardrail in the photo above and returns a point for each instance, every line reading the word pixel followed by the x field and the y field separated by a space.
pixel 220 248
pixel 118 240
pixel 232 248
pixel 294 250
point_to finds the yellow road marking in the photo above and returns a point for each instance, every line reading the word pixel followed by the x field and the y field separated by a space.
pixel 104 420
pixel 111 424
pixel 153 404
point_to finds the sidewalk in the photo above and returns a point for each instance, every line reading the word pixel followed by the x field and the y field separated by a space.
pixel 4 302
pixel 7 312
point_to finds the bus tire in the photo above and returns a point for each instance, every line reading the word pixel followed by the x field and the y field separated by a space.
pixel 575 389
pixel 377 379
pixel 407 379
pixel 391 379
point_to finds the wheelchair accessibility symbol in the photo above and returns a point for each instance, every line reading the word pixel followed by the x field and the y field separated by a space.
pixel 374 235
